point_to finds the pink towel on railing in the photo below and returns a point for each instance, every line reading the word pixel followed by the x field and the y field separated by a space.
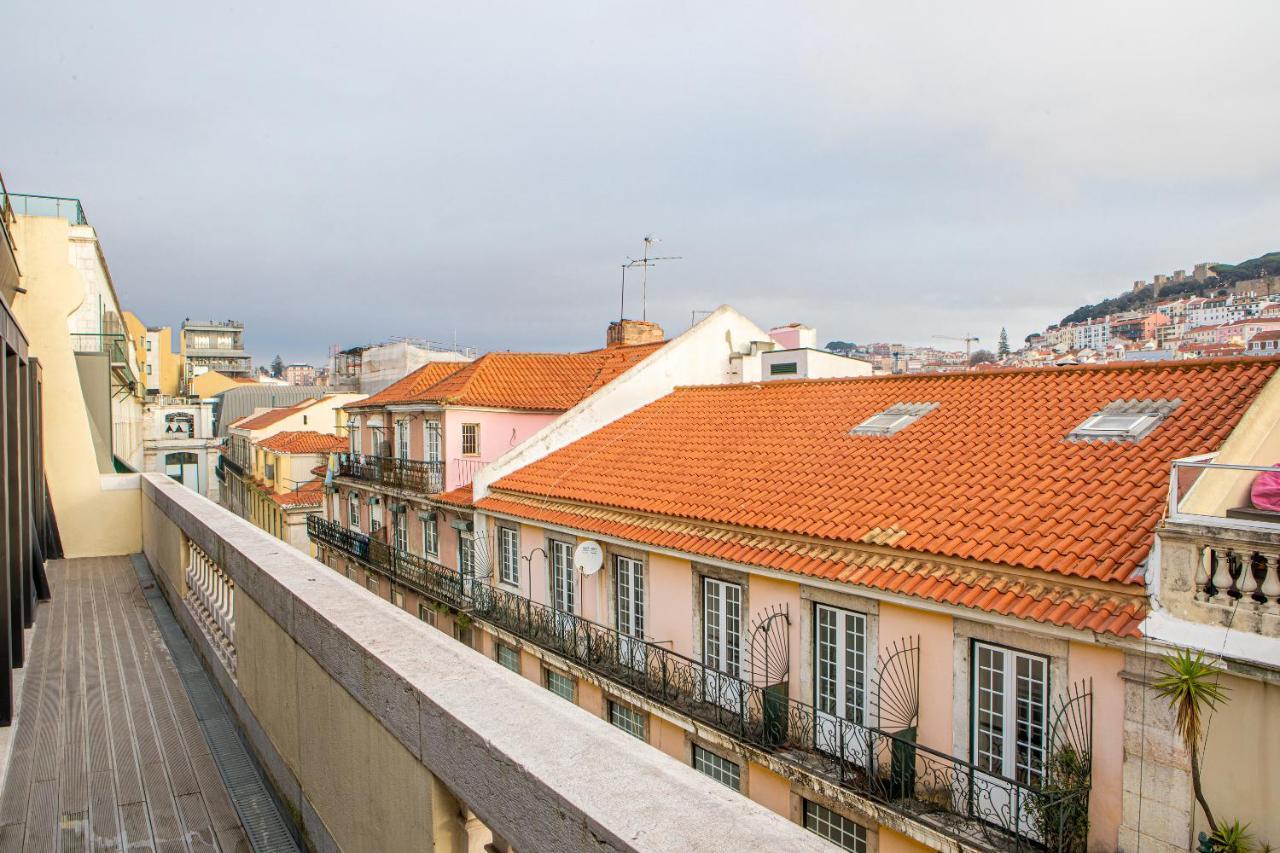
pixel 1265 492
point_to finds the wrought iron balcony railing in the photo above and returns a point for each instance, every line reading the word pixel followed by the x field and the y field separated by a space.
pixel 411 475
pixel 419 573
pixel 951 794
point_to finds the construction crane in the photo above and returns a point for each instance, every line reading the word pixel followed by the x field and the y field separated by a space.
pixel 969 341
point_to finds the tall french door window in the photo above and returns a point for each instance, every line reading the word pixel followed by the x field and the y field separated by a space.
pixel 354 431
pixel 509 555
pixel 722 641
pixel 840 681
pixel 401 530
pixel 466 560
pixel 402 438
pixel 562 586
pixel 628 601
pixel 431 447
pixel 430 535
pixel 353 510
pixel 1010 696
pixel 375 514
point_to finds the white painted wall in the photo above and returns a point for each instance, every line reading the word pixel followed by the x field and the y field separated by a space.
pixel 700 356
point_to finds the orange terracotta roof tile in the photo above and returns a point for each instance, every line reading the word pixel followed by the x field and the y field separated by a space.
pixel 303 441
pixel 543 382
pixel 459 497
pixel 310 493
pixel 273 416
pixel 987 475
pixel 1029 598
pixel 408 389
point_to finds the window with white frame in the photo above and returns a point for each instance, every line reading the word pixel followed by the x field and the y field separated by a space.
pixel 375 514
pixel 558 683
pixel 431 445
pixel 402 438
pixel 471 439
pixel 509 555
pixel 628 609
pixel 627 718
pixel 427 614
pixel 722 642
pixel 466 559
pixel 397 598
pixel 400 530
pixel 371 582
pixel 430 535
pixel 834 827
pixel 507 656
pixel 353 510
pixel 353 430
pixel 840 663
pixel 562 586
pixel 1010 709
pixel 351 572
pixel 717 767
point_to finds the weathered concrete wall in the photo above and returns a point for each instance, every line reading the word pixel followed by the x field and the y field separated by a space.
pixel 377 706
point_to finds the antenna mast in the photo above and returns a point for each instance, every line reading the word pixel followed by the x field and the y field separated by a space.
pixel 644 262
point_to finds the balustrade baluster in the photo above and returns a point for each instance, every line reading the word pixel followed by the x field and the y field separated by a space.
pixel 1204 573
pixel 1270 588
pixel 1247 583
pixel 1222 581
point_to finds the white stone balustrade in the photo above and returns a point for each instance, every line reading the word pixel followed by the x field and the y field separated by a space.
pixel 1248 577
pixel 211 598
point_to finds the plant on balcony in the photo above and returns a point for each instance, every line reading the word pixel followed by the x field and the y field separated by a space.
pixel 1231 838
pixel 1190 684
pixel 1060 808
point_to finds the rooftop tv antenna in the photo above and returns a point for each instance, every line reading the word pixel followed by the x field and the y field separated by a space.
pixel 644 263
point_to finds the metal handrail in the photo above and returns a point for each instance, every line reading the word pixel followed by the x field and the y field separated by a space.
pixel 49 205
pixel 413 475
pixel 886 766
pixel 6 216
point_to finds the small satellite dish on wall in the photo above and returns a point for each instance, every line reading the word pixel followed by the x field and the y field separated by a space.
pixel 588 557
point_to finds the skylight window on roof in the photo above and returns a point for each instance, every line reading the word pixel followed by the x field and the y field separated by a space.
pixel 1124 420
pixel 893 419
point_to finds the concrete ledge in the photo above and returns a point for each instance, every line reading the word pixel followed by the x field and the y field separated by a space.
pixel 540 772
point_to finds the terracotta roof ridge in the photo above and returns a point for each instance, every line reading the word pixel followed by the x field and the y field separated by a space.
pixel 942 376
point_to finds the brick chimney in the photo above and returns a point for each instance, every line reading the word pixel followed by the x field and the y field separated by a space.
pixel 625 333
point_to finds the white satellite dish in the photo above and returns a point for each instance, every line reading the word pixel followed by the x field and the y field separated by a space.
pixel 588 557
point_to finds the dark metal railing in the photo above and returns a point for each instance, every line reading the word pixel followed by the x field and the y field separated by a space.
pixel 411 475
pixel 419 573
pixel 889 767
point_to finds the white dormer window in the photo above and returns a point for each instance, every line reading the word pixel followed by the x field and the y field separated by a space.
pixel 893 419
pixel 1116 425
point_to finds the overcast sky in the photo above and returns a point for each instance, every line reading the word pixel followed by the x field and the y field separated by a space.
pixel 343 173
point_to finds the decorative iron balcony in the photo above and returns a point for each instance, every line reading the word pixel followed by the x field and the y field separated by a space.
pixel 950 794
pixel 418 573
pixel 410 475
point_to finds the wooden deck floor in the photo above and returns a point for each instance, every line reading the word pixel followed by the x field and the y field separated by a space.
pixel 107 753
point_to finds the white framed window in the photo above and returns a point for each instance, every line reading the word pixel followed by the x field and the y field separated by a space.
pixel 562 580
pixel 400 530
pixel 1119 425
pixel 627 718
pixel 1010 711
pixel 717 767
pixel 371 582
pixel 353 430
pixel 836 828
pixel 353 510
pixel 351 572
pixel 508 657
pixel 427 614
pixel 471 439
pixel 375 514
pixel 628 609
pixel 402 438
pixel 840 681
pixel 558 683
pixel 722 643
pixel 430 535
pixel 397 598
pixel 431 443
pixel 509 555
pixel 466 559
